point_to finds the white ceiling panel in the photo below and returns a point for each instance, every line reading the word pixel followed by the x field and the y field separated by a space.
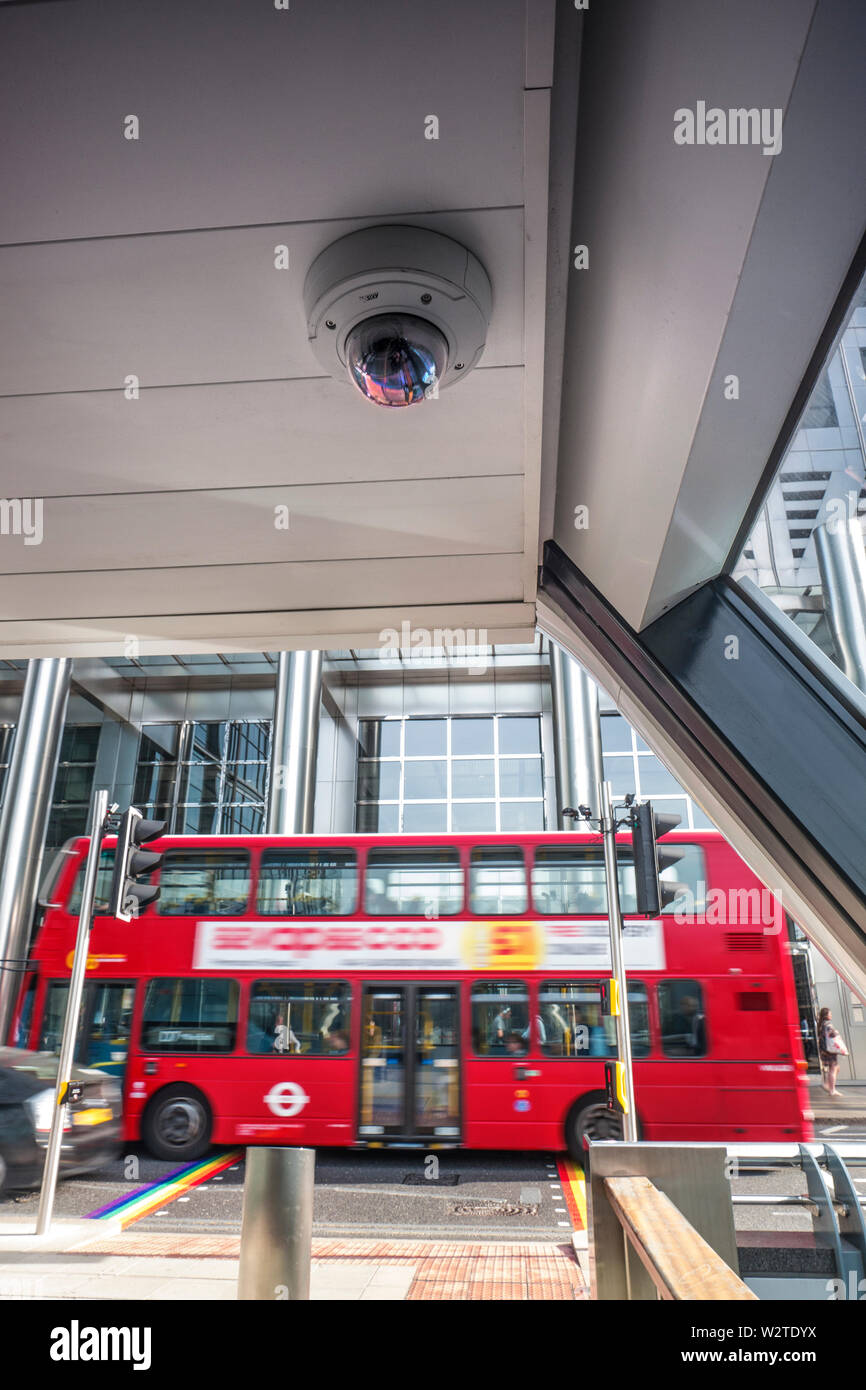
pixel 252 114
pixel 267 433
pixel 254 587
pixel 153 259
pixel 204 307
pixel 304 629
pixel 347 521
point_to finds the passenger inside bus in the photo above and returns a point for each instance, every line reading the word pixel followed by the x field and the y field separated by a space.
pixel 685 1030
pixel 284 1038
pixel 372 1038
pixel 500 1027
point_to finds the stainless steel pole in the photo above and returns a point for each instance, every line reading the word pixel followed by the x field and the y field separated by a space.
pixel 294 743
pixel 277 1226
pixel 842 566
pixel 614 912
pixel 73 1011
pixel 24 817
pixel 576 733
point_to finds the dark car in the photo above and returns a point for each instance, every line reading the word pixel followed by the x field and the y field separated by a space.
pixel 93 1121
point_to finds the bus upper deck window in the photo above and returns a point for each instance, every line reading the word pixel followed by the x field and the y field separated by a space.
pixel 498 881
pixel 414 882
pixel 204 882
pixel 308 883
pixel 570 881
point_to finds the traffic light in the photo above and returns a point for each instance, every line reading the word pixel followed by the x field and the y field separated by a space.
pixel 614 1085
pixel 128 896
pixel 651 859
pixel 610 998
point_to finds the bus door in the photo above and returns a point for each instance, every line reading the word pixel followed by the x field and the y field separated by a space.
pixel 410 1063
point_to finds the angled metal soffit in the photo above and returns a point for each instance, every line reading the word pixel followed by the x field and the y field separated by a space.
pixel 771 742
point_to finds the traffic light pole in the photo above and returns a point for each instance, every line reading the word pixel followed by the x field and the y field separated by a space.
pixel 623 1032
pixel 73 1011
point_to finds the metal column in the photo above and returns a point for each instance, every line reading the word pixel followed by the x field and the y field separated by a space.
pixel 576 734
pixel 277 1225
pixel 294 744
pixel 66 1058
pixel 842 565
pixel 24 818
pixel 617 964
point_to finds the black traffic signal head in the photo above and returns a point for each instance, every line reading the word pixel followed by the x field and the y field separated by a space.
pixel 651 859
pixel 128 896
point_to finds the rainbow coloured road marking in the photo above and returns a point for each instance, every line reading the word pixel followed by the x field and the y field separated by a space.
pixel 574 1191
pixel 158 1194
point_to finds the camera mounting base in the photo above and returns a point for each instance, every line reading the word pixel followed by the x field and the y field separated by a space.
pixel 398 270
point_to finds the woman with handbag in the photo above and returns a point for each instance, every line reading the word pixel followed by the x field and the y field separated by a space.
pixel 831 1047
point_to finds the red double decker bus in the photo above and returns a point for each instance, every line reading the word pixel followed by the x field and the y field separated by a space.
pixel 360 990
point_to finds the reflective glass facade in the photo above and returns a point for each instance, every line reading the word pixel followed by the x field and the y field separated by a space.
pixel 821 482
pixel 204 778
pixel 450 774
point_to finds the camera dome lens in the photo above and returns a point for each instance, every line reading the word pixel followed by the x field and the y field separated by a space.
pixel 396 359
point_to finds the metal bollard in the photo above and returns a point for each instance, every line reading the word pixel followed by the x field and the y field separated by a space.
pixel 277 1230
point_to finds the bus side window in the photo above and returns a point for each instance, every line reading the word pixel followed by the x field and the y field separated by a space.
pixel 683 1022
pixel 500 1019
pixel 570 881
pixel 204 882
pixel 305 1017
pixel 570 1019
pixel 308 883
pixel 190 1015
pixel 414 882
pixel 498 881
pixel 571 1022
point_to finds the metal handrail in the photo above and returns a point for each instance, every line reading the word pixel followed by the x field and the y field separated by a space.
pixel 787 1155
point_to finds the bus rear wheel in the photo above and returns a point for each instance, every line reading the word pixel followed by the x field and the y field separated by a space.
pixel 177 1124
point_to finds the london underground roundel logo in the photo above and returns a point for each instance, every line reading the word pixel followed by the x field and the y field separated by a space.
pixel 287 1098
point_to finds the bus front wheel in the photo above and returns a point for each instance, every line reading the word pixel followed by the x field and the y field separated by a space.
pixel 177 1123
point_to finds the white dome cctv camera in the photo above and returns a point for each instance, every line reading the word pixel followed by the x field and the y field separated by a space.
pixel 401 312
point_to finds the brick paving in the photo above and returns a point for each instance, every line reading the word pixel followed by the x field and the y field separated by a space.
pixel 444 1270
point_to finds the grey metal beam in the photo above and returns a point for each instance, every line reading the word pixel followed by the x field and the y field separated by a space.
pixel 772 745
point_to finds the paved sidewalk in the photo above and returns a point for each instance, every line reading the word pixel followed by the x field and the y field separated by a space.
pixel 75 1262
pixel 850 1104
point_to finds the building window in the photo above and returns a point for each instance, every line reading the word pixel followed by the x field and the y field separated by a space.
pixel 820 413
pixel 631 766
pixel 205 778
pixel 473 775
pixel 76 766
